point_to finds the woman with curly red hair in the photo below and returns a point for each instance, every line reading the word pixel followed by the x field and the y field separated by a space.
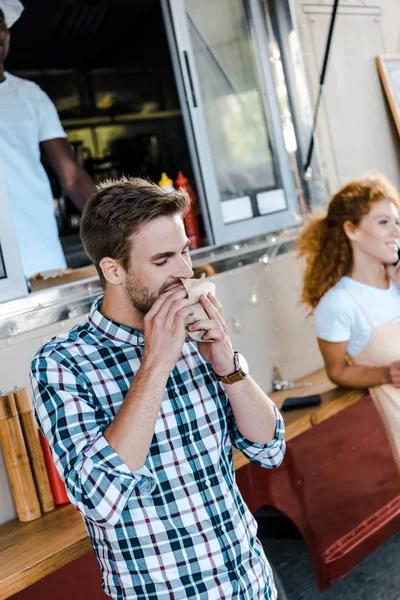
pixel 348 287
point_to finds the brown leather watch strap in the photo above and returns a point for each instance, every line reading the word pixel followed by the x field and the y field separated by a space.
pixel 237 375
pixel 233 377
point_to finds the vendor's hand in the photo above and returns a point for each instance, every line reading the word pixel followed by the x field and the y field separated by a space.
pixel 164 329
pixel 394 374
pixel 219 353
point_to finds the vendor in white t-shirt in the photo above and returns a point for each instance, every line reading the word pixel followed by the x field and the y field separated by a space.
pixel 350 255
pixel 28 123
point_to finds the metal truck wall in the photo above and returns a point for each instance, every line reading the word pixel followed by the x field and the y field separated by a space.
pixel 355 131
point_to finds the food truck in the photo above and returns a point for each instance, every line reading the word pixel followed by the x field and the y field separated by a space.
pixel 223 92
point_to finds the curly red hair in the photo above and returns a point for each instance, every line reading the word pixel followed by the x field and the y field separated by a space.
pixel 323 241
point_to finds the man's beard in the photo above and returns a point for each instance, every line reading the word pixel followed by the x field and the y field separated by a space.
pixel 141 296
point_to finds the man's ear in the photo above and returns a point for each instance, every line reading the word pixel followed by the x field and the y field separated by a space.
pixel 112 271
pixel 350 230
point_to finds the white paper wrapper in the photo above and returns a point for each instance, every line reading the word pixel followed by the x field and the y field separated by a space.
pixel 194 288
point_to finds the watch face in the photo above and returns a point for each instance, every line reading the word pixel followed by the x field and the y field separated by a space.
pixel 242 363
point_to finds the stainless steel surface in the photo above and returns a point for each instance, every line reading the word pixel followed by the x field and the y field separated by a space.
pixel 243 253
pixel 283 384
pixel 279 384
pixel 47 307
pixel 67 301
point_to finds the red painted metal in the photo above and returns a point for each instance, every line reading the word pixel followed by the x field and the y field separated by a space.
pixel 339 485
pixel 80 580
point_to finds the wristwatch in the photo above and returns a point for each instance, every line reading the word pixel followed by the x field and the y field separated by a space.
pixel 240 372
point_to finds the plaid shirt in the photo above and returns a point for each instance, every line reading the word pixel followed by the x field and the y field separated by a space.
pixel 178 527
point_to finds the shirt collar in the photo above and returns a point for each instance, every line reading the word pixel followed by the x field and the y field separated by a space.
pixel 113 330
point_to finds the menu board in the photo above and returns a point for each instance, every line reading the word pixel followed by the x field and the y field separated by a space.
pixel 389 72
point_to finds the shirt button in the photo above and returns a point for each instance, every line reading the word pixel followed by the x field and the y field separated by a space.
pixel 208 483
pixel 223 528
pixel 140 340
pixel 191 437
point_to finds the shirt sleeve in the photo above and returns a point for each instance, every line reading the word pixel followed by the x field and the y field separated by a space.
pixel 268 455
pixel 97 480
pixel 333 320
pixel 49 123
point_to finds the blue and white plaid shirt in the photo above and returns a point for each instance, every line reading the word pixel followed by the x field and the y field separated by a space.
pixel 178 527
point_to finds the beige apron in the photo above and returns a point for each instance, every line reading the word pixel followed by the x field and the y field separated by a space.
pixel 382 349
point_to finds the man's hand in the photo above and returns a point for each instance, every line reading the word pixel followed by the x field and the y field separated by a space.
pixel 164 329
pixel 219 353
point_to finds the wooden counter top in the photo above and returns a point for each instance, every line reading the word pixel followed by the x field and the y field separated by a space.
pixel 30 551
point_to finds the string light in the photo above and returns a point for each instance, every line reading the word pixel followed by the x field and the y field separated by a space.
pixel 237 327
pixel 264 260
pixel 254 298
pixel 298 218
pixel 308 174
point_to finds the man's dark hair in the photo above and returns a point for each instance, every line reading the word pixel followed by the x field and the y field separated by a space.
pixel 119 209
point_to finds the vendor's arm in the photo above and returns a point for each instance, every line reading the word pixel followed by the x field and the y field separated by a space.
pixel 52 137
pixel 74 180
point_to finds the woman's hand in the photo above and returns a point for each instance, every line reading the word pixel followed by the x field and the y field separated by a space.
pixel 394 374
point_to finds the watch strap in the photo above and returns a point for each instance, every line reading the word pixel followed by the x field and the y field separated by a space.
pixel 237 375
pixel 232 378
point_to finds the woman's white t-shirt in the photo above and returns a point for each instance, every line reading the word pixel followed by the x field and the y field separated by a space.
pixel 338 317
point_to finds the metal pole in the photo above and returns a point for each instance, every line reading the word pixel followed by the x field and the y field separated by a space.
pixel 307 168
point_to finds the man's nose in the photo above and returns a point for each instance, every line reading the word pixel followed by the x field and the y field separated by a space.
pixel 185 271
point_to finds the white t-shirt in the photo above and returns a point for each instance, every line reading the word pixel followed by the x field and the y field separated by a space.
pixel 28 117
pixel 338 318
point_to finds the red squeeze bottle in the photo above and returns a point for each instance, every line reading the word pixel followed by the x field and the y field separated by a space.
pixel 191 224
pixel 56 484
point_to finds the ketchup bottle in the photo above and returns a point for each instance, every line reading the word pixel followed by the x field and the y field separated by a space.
pixel 191 224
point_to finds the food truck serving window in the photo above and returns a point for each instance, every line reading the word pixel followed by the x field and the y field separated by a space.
pixel 191 92
pixel 222 48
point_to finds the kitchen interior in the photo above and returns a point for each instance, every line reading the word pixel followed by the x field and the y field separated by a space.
pixel 108 70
